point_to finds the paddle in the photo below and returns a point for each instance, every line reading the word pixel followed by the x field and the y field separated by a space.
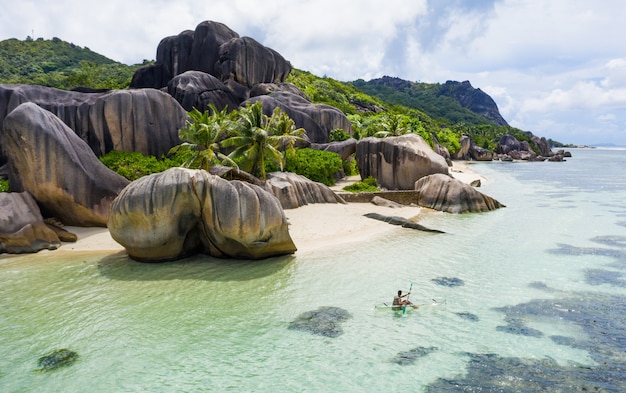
pixel 407 298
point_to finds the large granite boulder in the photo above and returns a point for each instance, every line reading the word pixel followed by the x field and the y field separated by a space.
pixel 217 50
pixel 444 193
pixel 441 150
pixel 190 50
pixel 542 145
pixel 293 190
pixel 146 120
pixel 398 162
pixel 196 89
pixel 318 120
pixel 22 229
pixel 480 154
pixel 247 62
pixel 344 149
pixel 464 151
pixel 507 144
pixel 47 159
pixel 173 214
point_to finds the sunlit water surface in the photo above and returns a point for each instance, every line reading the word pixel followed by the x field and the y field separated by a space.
pixel 538 305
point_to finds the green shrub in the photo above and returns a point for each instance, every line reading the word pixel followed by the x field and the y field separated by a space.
pixel 367 185
pixel 338 135
pixel 317 165
pixel 349 167
pixel 4 186
pixel 133 165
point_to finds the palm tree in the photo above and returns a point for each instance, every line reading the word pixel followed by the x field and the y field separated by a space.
pixel 260 137
pixel 203 134
pixel 393 125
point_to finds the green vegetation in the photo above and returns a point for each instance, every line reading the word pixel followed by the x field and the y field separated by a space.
pixel 204 132
pixel 251 138
pixel 367 185
pixel 60 64
pixel 256 138
pixel 4 186
pixel 133 165
pixel 317 165
pixel 381 111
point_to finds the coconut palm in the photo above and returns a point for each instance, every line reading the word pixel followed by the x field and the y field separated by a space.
pixel 203 133
pixel 394 125
pixel 260 138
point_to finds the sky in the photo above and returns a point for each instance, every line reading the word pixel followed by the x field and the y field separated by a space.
pixel 556 68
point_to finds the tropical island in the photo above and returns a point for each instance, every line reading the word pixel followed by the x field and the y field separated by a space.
pixel 221 147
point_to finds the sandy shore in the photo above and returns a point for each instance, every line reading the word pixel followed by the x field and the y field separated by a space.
pixel 311 227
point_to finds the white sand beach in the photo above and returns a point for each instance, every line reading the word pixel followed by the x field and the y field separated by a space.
pixel 311 227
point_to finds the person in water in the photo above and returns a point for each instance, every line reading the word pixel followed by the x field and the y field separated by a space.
pixel 398 301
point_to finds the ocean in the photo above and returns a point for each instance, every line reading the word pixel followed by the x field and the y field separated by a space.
pixel 527 298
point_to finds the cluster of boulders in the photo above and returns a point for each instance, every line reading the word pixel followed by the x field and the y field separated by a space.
pixel 51 139
pixel 510 149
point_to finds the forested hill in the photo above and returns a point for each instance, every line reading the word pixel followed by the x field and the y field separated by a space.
pixel 60 64
pixel 456 102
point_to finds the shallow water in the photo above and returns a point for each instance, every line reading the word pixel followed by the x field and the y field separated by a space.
pixel 539 305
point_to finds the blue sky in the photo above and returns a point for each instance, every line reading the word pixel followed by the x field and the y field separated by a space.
pixel 556 68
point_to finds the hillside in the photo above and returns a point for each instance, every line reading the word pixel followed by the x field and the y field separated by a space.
pixel 60 64
pixel 454 102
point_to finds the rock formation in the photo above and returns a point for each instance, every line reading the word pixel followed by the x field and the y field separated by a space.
pixel 47 159
pixel 398 162
pixel 444 193
pixel 318 120
pixel 179 212
pixel 22 229
pixel 344 149
pixel 507 144
pixel 473 99
pixel 195 89
pixel 146 120
pixel 217 50
pixel 470 151
pixel 293 190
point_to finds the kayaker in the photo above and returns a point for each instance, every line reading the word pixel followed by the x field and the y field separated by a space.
pixel 398 301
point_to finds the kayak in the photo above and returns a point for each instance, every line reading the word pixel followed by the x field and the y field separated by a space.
pixel 415 305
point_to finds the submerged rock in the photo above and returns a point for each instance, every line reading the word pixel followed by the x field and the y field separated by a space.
pixel 325 321
pixel 468 315
pixel 448 281
pixel 411 356
pixel 56 359
pixel 401 221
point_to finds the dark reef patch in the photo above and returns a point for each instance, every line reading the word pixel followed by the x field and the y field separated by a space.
pixel 468 315
pixel 325 321
pixel 411 356
pixel 448 281
pixel 56 359
pixel 601 276
pixel 604 339
pixel 611 240
pixel 541 285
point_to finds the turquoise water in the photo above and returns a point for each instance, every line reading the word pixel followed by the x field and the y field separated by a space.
pixel 539 304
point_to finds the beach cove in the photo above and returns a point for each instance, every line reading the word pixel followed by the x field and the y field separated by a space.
pixel 530 276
